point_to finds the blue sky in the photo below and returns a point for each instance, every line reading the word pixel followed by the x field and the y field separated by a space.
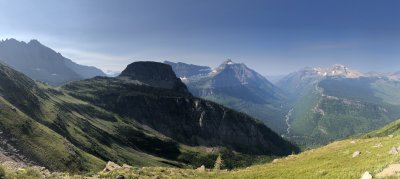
pixel 270 36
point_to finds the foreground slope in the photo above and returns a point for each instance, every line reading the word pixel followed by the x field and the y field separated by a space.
pixel 331 161
pixel 142 118
pixel 334 160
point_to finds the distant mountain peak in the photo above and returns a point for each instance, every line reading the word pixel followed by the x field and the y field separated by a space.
pixel 338 70
pixel 228 62
pixel 34 41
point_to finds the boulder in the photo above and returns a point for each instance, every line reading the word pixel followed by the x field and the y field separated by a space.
pixel 111 166
pixel 356 154
pixel 201 169
pixel 366 175
pixel 393 151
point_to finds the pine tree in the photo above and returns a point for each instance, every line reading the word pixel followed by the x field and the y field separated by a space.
pixel 218 163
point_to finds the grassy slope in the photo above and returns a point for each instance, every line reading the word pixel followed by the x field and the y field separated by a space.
pixel 334 160
pixel 33 140
pixel 331 161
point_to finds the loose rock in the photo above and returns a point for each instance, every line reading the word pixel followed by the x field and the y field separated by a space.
pixel 201 169
pixel 393 151
pixel 356 154
pixel 366 175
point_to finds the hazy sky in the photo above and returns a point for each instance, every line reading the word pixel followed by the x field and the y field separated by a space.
pixel 270 36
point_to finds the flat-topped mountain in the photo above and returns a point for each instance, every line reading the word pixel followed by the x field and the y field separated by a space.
pixel 154 74
pixel 42 63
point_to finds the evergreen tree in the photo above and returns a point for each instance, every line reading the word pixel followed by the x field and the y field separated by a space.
pixel 218 163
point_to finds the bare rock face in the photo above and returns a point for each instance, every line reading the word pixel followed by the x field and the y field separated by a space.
pixel 154 74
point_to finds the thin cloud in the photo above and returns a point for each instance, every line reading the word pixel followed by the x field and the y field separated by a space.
pixel 105 62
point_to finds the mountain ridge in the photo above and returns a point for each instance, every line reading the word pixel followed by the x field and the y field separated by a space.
pixel 42 63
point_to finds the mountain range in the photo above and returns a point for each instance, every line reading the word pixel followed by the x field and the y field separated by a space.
pixel 144 117
pixel 310 107
pixel 183 115
pixel 42 63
